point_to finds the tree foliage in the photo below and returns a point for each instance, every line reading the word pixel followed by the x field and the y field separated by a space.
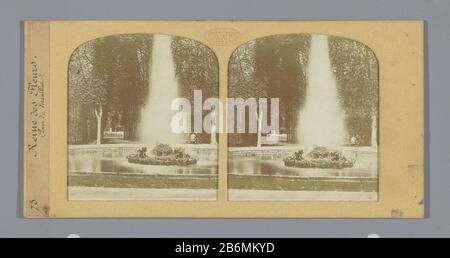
pixel 356 69
pixel 86 86
pixel 113 73
pixel 276 67
pixel 196 67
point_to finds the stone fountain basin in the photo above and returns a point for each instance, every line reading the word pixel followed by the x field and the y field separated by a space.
pixel 162 161
pixel 311 163
pixel 132 180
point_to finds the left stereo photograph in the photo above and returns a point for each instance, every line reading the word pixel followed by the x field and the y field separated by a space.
pixel 124 139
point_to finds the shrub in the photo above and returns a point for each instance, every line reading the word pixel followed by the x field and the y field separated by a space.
pixel 162 150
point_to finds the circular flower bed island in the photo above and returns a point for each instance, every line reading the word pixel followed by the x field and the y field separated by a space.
pixel 319 157
pixel 162 155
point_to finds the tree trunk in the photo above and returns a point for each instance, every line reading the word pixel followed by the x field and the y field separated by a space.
pixel 213 136
pixel 213 128
pixel 374 131
pixel 259 118
pixel 98 114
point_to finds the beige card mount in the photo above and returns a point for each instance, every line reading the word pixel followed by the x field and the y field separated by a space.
pixel 224 119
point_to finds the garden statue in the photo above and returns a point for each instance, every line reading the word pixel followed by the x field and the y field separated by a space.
pixel 162 155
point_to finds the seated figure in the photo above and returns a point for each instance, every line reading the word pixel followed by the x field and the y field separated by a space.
pixel 142 152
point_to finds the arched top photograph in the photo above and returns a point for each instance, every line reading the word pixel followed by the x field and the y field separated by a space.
pixel 123 92
pixel 319 118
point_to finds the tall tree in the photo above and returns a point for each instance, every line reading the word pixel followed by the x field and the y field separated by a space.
pixel 86 86
pixel 270 67
pixel 109 76
pixel 356 69
pixel 196 68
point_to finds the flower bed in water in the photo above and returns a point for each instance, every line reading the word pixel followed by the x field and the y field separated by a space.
pixel 162 155
pixel 319 157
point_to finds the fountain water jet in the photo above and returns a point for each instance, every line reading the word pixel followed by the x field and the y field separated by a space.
pixel 321 121
pixel 156 118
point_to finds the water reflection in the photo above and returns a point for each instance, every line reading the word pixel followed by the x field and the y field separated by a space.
pixel 96 162
pixel 258 166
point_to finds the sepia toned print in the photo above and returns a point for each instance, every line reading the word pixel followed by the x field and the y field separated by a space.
pixel 144 115
pixel 321 144
pixel 121 142
pixel 299 188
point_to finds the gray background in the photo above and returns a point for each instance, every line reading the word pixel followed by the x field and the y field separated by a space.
pixel 435 12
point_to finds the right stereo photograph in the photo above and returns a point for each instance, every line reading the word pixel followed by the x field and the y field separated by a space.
pixel 303 120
